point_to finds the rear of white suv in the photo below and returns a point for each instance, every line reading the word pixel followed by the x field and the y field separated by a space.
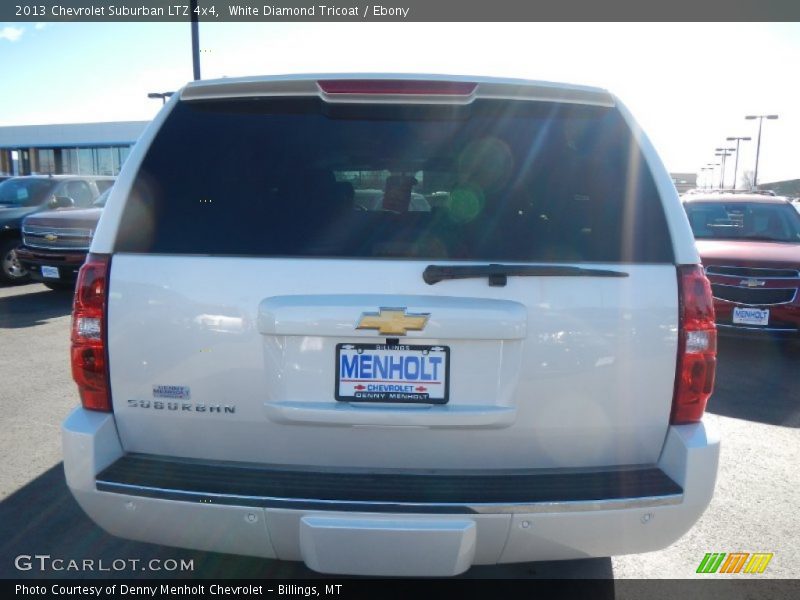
pixel 506 358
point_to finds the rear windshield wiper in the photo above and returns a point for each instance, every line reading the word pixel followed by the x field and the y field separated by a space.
pixel 498 274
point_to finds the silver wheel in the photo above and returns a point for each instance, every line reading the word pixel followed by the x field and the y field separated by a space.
pixel 12 269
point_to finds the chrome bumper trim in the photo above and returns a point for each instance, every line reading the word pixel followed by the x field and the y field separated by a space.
pixel 386 507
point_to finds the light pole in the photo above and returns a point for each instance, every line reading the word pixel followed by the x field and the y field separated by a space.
pixel 724 153
pixel 706 179
pixel 195 39
pixel 758 146
pixel 710 177
pixel 736 164
pixel 162 95
pixel 711 167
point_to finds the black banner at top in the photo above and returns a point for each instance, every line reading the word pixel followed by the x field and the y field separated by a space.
pixel 397 10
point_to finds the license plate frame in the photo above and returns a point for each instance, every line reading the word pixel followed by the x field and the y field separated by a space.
pixel 740 316
pixel 49 272
pixel 388 393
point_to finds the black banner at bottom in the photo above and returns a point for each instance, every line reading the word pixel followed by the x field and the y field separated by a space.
pixel 347 589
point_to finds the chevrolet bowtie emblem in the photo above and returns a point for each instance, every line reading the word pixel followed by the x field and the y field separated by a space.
pixel 393 321
pixel 751 283
pixel 50 237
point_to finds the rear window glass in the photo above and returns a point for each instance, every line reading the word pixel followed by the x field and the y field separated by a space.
pixel 492 181
pixel 104 184
pixel 102 198
pixel 764 221
pixel 25 192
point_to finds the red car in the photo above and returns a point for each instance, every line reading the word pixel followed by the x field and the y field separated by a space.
pixel 55 243
pixel 750 247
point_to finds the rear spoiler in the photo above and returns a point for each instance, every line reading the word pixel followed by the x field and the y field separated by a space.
pixel 414 89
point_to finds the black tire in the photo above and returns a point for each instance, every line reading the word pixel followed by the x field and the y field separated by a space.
pixel 59 286
pixel 10 269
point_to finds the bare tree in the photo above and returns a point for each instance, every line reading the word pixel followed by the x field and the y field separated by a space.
pixel 747 180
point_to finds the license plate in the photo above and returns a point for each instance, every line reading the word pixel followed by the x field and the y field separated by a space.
pixel 50 272
pixel 750 316
pixel 384 373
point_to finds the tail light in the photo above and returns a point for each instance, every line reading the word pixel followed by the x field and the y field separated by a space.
pixel 397 86
pixel 88 352
pixel 697 346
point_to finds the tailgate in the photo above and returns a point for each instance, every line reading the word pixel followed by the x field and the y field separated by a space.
pixel 234 359
pixel 267 299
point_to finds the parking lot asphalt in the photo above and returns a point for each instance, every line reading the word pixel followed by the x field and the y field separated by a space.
pixel 756 408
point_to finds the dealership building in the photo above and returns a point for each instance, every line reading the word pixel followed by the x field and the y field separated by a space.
pixel 101 148
pixel 76 148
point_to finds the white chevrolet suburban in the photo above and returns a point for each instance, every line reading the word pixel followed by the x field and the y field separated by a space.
pixel 512 367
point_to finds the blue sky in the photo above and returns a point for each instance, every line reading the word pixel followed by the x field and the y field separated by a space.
pixel 689 84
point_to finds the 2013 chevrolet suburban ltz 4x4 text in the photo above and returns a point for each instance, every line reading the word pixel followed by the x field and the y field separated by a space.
pixel 505 357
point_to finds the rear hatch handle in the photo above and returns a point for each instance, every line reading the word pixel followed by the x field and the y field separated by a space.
pixel 498 274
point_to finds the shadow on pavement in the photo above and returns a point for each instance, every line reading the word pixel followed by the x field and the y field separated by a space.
pixel 42 518
pixel 757 380
pixel 27 310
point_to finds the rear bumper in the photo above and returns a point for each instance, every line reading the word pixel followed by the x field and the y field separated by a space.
pixel 390 523
pixel 784 320
pixel 761 333
pixel 68 263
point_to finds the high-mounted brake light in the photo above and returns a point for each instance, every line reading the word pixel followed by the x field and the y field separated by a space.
pixel 397 86
pixel 697 346
pixel 88 352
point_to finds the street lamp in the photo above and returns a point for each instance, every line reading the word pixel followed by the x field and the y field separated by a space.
pixel 736 165
pixel 195 25
pixel 706 179
pixel 710 177
pixel 758 146
pixel 712 166
pixel 724 153
pixel 162 95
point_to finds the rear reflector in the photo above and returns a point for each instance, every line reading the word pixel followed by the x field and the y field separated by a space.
pixel 397 86
pixel 697 346
pixel 88 352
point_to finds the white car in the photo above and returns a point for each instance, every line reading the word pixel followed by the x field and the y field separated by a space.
pixel 267 367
